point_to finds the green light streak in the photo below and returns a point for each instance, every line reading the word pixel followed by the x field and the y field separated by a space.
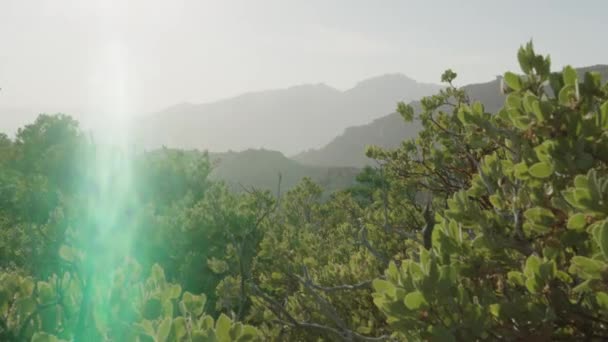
pixel 107 235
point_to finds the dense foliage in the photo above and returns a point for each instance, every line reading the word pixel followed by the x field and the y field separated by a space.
pixel 487 226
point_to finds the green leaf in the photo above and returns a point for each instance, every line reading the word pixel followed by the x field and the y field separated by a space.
pixel 586 267
pixel 381 285
pixel 206 322
pixel 537 110
pixel 570 76
pixel 406 111
pixel 563 276
pixel 179 328
pixel 414 300
pixel 145 327
pixel 513 101
pixel 513 81
pixel 543 151
pixel 448 76
pixel 530 228
pixel 497 201
pixel 577 221
pixel 46 294
pixel 603 116
pixel 547 270
pixel 532 266
pixel 583 287
pixel 217 266
pixel 478 108
pixel 222 328
pixel 602 237
pixel 540 215
pixel 174 291
pixel 567 95
pixel 163 330
pixel 516 278
pixel 520 171
pixel 167 308
pixel 541 170
pixel 392 272
pixel 602 300
pixel 249 333
pixel 524 57
pixel 194 304
pixel 495 310
pixel 463 115
pixel 581 181
pixel 583 198
pixel 425 260
pixel 235 331
pixel 550 252
pixel 157 273
pixel 67 253
pixel 533 285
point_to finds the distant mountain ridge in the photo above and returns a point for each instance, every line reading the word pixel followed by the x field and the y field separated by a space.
pixel 289 120
pixel 348 149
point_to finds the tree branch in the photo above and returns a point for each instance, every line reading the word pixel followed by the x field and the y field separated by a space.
pixel 345 334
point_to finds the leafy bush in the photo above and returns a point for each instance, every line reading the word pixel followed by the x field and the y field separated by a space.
pixel 519 247
pixel 129 309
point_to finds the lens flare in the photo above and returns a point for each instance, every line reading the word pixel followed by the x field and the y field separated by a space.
pixel 109 190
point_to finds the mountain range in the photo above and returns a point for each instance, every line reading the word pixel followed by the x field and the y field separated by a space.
pixel 288 120
pixel 324 131
pixel 347 149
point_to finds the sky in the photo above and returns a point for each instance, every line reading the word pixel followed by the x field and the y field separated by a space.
pixel 134 57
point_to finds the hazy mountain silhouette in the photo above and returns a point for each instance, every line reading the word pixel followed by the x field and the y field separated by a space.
pixel 389 131
pixel 288 120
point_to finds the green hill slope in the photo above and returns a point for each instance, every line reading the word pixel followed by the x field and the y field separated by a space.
pixel 261 168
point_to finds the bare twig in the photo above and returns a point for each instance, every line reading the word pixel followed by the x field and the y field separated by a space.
pixel 326 307
pixel 360 285
pixel 365 242
pixel 279 311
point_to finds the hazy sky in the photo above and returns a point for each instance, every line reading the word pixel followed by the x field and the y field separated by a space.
pixel 141 56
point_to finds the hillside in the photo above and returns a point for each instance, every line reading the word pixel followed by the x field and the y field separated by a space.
pixel 261 168
pixel 287 120
pixel 347 149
